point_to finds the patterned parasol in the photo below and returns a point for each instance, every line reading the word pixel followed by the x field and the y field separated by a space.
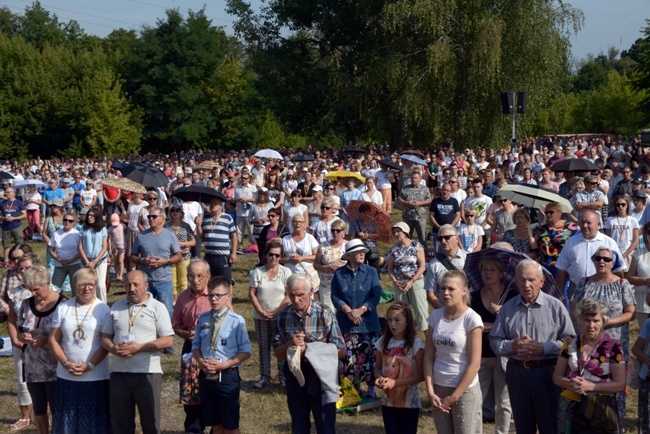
pixel 124 184
pixel 379 217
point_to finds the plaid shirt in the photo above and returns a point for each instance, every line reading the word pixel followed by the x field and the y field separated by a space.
pixel 318 323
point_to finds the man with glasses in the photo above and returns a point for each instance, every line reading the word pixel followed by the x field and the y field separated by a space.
pixel 451 257
pixel 189 306
pixel 590 198
pixel 137 329
pixel 244 197
pixel 154 251
pixel 219 234
pixel 220 347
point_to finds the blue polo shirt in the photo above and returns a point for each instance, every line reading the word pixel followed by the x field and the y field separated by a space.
pixel 232 340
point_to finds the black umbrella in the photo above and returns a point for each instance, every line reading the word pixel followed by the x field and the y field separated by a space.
pixel 119 166
pixel 198 193
pixel 574 165
pixel 145 174
pixel 355 150
pixel 302 158
pixel 5 175
pixel 391 164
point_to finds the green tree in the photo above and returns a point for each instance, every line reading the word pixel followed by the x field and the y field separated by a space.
pixel 641 77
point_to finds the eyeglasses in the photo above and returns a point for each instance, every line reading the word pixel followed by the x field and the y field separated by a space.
pixel 622 205
pixel 23 269
pixel 245 178
pixel 273 215
pixel 446 173
pixel 603 258
pixel 217 296
pixel 295 222
pixel 330 188
pixel 68 220
pixel 334 230
pixel 503 200
pixel 89 285
pixel 153 216
pixel 453 182
pixel 152 197
pixel 274 255
pixel 469 215
pixel 592 183
pixel 549 212
pixel 445 237
pixel 175 210
pixel 326 208
pixel 196 276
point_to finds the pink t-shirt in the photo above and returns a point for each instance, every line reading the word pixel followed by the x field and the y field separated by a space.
pixel 116 234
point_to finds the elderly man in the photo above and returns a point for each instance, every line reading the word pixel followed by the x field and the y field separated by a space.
pixel 155 250
pixel 590 198
pixel 189 305
pixel 220 346
pixel 415 199
pixel 575 261
pixel 299 325
pixel 12 211
pixel 220 236
pixel 530 330
pixel 137 329
pixel 451 257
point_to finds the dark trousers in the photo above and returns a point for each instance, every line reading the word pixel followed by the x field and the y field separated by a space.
pixel 129 390
pixel 308 399
pixel 534 398
pixel 193 414
pixel 400 420
pixel 219 265
pixel 196 250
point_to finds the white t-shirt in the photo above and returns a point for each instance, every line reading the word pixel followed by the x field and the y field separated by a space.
pixel 481 204
pixel 191 210
pixel 376 198
pixel 258 176
pixel 469 236
pixel 88 195
pixel 91 318
pixel 300 248
pixel 291 211
pixel 134 214
pixel 270 292
pixel 323 230
pixel 460 196
pixel 383 180
pixel 66 245
pixel 621 230
pixel 450 341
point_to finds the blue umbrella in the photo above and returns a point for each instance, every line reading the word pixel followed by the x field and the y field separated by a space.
pixel 413 159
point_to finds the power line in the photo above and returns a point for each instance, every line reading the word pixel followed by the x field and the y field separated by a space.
pixel 165 8
pixel 71 19
pixel 82 13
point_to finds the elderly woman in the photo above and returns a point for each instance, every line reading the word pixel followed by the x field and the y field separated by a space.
pixel 639 275
pixel 64 248
pixel 356 291
pixel 452 358
pixel 34 321
pixel 275 230
pixel 82 373
pixel 300 250
pixel 406 268
pixel 259 213
pixel 329 259
pixel 321 227
pixel 486 302
pixel 589 363
pixel 93 248
pixel 552 235
pixel 14 297
pixel 266 291
pixel 186 240
pixel 521 237
pixel 616 293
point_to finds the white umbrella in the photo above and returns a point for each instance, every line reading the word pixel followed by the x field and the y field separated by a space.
pixel 533 196
pixel 23 183
pixel 268 153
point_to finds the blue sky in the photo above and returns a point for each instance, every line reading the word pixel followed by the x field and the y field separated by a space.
pixel 607 23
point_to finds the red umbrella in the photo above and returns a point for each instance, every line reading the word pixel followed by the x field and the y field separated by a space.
pixel 377 216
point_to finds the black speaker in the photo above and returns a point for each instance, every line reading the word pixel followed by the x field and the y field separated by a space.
pixel 507 104
pixel 521 102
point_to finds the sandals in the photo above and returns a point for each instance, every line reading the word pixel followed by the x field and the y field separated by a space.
pixel 20 425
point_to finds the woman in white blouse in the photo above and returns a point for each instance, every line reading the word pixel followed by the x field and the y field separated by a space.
pixel 372 194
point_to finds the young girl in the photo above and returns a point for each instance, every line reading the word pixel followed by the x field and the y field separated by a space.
pixel 116 245
pixel 398 369
pixel 471 234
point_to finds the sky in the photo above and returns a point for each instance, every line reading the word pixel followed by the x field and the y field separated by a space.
pixel 607 23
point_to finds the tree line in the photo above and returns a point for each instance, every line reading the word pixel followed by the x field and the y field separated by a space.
pixel 298 72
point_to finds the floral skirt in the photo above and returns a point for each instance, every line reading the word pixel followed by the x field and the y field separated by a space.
pixel 359 364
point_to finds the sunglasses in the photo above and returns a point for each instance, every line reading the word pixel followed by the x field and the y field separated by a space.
pixel 592 183
pixel 153 216
pixel 326 208
pixel 622 205
pixel 469 215
pixel 68 220
pixel 549 212
pixel 330 188
pixel 336 230
pixel 603 258
pixel 274 255
pixel 445 237
pixel 503 200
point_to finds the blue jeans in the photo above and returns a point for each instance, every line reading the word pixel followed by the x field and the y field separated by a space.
pixel 162 291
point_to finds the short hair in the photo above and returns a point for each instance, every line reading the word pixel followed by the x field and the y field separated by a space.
pixel 195 261
pixel 521 211
pixel 371 178
pixel 36 276
pixel 296 193
pixel 273 245
pixel 491 260
pixel 36 260
pixel 460 275
pixel 274 211
pixel 145 278
pixel 295 279
pixel 340 224
pixel 503 245
pixel 553 206
pixel 530 263
pixel 293 219
pixel 84 273
pixel 590 307
pixel 328 201
pixel 160 210
pixel 448 228
pixel 590 212
pixel 415 170
pixel 219 281
pixel 25 248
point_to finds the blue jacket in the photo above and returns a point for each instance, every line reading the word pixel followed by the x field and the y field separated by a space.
pixel 357 288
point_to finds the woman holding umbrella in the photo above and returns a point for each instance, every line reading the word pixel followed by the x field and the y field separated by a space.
pixel 552 235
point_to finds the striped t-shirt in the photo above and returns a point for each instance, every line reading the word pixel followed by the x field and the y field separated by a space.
pixel 216 234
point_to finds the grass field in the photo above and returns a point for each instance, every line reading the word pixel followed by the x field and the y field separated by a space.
pixel 261 411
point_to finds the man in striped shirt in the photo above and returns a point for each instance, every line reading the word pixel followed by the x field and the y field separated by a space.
pixel 219 234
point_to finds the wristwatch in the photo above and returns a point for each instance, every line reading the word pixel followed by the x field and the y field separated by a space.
pixel 91 366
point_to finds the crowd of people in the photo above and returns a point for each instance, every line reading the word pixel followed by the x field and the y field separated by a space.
pixel 490 342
